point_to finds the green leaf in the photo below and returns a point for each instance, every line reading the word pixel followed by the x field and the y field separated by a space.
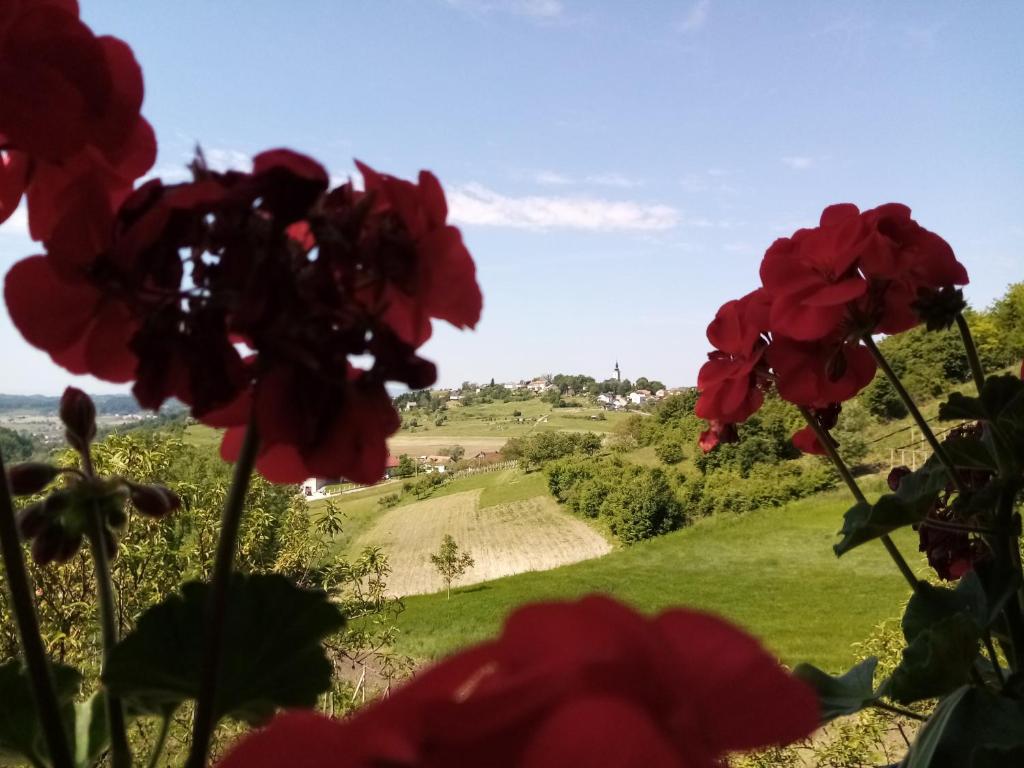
pixel 966 453
pixel 1001 397
pixel 931 735
pixel 937 661
pixel 273 655
pixel 92 735
pixel 997 757
pixel 842 695
pixel 910 504
pixel 21 734
pixel 930 604
pixel 970 728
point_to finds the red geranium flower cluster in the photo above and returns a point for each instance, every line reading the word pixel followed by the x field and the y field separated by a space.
pixel 245 295
pixel 823 290
pixel 70 128
pixel 592 683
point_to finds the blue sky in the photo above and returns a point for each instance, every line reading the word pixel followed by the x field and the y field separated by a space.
pixel 618 168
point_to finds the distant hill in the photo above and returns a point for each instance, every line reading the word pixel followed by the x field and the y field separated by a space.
pixel 105 404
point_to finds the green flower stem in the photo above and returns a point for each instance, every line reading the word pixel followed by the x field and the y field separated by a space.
pixel 161 742
pixel 972 351
pixel 1007 550
pixel 908 401
pixel 216 609
pixel 27 622
pixel 994 656
pixel 120 752
pixel 899 711
pixel 844 472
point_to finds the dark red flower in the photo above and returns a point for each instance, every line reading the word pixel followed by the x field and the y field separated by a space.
pixel 166 290
pixel 592 683
pixel 82 329
pixel 811 277
pixel 819 374
pixel 806 441
pixel 436 276
pixel 71 110
pixel 902 260
pixel 950 553
pixel 316 428
pixel 716 433
pixel 729 381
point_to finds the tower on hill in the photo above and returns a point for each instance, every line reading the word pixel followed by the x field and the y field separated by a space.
pixel 618 372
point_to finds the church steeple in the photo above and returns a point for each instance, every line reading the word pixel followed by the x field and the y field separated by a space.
pixel 618 372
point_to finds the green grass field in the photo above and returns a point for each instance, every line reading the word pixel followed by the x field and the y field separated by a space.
pixel 772 572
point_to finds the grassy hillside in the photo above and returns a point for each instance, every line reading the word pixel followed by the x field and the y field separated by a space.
pixel 772 572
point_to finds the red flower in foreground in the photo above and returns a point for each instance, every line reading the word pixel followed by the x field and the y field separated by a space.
pixel 717 433
pixel 729 381
pixel 811 278
pixel 165 292
pixel 806 439
pixel 818 374
pixel 903 260
pixel 592 683
pixel 434 278
pixel 71 111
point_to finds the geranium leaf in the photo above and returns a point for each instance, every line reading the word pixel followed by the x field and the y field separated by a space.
pixel 273 655
pixel 21 734
pixel 970 728
pixel 930 604
pixel 842 695
pixel 937 661
pixel 92 734
pixel 910 504
pixel 1002 397
pixel 969 454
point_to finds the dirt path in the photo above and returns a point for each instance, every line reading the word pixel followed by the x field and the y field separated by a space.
pixel 529 535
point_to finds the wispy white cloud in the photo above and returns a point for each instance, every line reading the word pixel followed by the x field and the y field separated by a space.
pixel 555 179
pixel 696 16
pixel 475 204
pixel 537 9
pixel 552 178
pixel 613 180
pixel 798 162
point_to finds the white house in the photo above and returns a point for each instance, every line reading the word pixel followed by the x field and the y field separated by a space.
pixel 539 385
pixel 639 398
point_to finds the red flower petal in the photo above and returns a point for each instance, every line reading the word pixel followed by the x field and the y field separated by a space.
pixel 50 313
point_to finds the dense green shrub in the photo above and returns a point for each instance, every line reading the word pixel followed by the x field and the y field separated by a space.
pixel 636 502
pixel 536 450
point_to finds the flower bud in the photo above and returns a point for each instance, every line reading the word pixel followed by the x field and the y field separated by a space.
pixel 896 477
pixel 47 544
pixel 31 520
pixel 69 546
pixel 154 500
pixel 939 308
pixel 78 412
pixel 30 477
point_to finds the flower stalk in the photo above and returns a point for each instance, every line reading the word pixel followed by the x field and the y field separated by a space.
pixel 844 472
pixel 915 413
pixel 217 607
pixel 27 622
pixel 977 372
pixel 120 752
